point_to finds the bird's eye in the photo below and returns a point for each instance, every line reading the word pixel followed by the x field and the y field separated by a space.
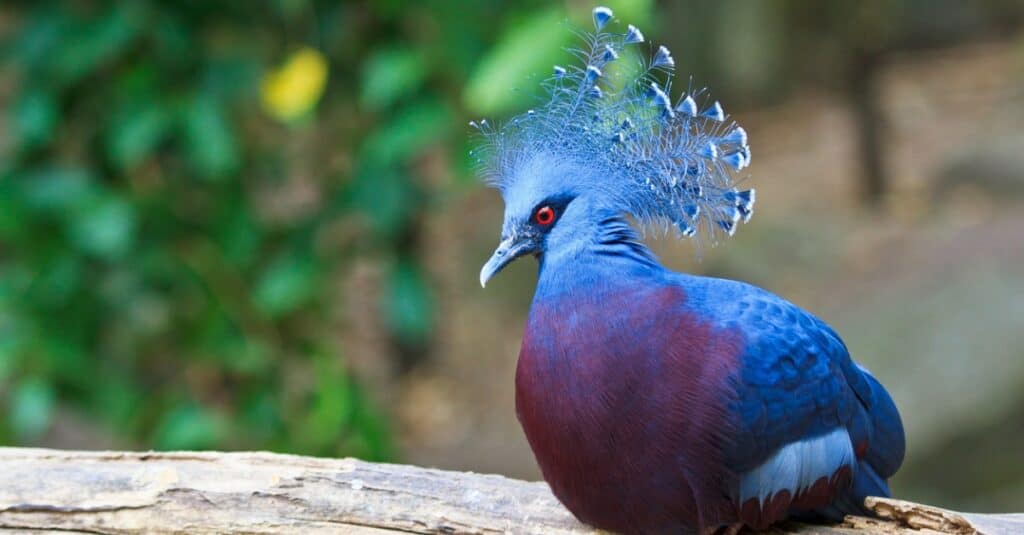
pixel 544 216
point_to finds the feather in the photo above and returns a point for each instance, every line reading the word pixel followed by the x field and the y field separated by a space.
pixel 687 107
pixel 657 160
pixel 633 35
pixel 663 58
pixel 715 112
pixel 601 17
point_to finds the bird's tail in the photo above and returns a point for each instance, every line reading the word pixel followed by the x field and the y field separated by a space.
pixel 888 443
pixel 881 460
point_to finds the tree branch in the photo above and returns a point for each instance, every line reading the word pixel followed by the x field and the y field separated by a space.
pixel 211 492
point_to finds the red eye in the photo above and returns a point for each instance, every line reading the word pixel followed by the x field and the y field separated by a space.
pixel 544 216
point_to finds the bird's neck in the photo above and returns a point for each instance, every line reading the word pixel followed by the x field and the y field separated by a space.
pixel 605 256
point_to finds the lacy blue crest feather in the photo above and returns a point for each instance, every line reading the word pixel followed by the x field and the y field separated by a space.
pixel 612 114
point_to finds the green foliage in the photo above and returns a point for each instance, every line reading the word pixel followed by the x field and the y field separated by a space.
pixel 391 74
pixel 142 283
pixel 31 407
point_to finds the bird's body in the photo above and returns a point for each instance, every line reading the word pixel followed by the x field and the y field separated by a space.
pixel 625 410
pixel 656 401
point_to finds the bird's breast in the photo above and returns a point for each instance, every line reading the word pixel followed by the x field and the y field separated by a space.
pixel 623 398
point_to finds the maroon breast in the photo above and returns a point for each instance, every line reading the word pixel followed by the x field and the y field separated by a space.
pixel 623 398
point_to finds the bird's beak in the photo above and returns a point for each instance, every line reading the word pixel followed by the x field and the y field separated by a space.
pixel 508 250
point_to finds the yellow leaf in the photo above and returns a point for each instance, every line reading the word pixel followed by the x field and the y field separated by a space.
pixel 294 88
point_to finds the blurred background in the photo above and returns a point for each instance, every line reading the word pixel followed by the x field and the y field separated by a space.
pixel 254 225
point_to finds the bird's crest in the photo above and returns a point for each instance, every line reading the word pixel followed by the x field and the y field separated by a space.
pixel 664 162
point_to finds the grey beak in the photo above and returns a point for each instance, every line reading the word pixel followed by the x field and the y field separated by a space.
pixel 508 250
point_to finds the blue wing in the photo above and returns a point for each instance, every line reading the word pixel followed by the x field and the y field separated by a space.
pixel 817 433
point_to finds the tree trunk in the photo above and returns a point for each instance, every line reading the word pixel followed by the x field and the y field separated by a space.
pixel 865 96
pixel 212 492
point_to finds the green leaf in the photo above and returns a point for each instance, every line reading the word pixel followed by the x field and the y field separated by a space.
pixel 409 304
pixel 12 220
pixel 384 196
pixel 104 226
pixel 134 135
pixel 331 408
pixel 527 49
pixel 238 233
pixel 34 117
pixel 172 39
pixel 414 127
pixel 56 189
pixel 250 357
pixel 96 42
pixel 32 404
pixel 261 415
pixel 286 284
pixel 390 74
pixel 41 35
pixel 189 427
pixel 13 334
pixel 209 142
pixel 370 437
pixel 57 279
pixel 120 398
pixel 233 77
pixel 293 8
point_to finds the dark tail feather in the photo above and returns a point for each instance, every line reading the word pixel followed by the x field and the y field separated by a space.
pixel 885 452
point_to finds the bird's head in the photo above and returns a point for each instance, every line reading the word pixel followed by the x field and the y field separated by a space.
pixel 547 208
pixel 608 141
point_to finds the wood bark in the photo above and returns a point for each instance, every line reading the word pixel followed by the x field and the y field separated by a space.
pixel 55 491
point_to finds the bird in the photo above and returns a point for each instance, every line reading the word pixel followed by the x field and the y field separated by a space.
pixel 656 401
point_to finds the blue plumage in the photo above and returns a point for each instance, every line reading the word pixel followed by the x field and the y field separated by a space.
pixel 613 114
pixel 799 388
pixel 656 401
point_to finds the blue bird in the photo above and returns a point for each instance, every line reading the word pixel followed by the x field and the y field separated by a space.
pixel 656 401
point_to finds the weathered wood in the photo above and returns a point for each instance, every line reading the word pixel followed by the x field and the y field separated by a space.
pixel 209 492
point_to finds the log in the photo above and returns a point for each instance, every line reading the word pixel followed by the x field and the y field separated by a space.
pixel 211 492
